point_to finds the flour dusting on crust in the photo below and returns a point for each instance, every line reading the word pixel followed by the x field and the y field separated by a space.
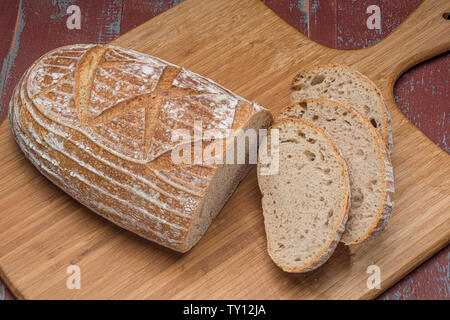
pixel 101 140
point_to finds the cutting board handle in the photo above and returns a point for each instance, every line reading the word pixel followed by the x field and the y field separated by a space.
pixel 425 33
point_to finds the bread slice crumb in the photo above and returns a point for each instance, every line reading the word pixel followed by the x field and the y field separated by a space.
pixel 343 84
pixel 369 166
pixel 305 204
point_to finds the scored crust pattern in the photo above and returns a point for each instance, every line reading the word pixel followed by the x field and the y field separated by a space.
pixel 95 120
pixel 127 102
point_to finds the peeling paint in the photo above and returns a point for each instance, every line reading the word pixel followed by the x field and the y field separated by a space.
pixel 2 291
pixel 62 8
pixel 8 62
pixel 111 29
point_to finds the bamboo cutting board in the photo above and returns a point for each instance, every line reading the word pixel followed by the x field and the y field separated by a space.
pixel 247 48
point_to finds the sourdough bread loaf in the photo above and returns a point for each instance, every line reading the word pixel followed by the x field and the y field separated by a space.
pixel 341 83
pixel 97 120
pixel 305 203
pixel 369 166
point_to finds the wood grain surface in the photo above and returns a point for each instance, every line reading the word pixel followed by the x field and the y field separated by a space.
pixel 285 51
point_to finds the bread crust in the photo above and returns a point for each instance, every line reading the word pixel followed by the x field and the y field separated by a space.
pixel 385 212
pixel 329 248
pixel 91 117
pixel 387 127
pixel 387 202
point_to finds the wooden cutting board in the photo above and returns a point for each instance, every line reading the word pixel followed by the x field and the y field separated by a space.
pixel 244 46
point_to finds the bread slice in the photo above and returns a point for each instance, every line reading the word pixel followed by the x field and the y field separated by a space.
pixel 305 203
pixel 341 83
pixel 369 167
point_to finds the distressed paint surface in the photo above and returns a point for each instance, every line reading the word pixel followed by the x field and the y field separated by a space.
pixel 9 61
pixel 430 281
pixel 294 12
pixel 31 28
pixel 352 32
pixel 422 95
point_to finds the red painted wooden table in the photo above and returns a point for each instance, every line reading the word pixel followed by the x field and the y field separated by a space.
pixel 30 28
